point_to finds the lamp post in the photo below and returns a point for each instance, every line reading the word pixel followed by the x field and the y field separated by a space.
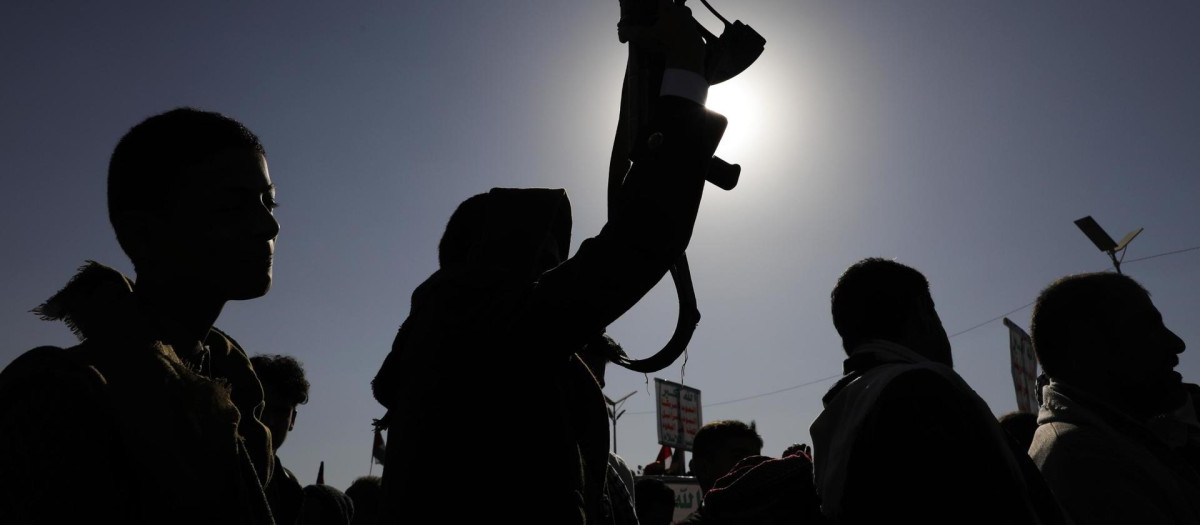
pixel 614 414
pixel 1105 243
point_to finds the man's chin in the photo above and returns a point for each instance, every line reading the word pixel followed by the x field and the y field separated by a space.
pixel 252 289
pixel 1167 393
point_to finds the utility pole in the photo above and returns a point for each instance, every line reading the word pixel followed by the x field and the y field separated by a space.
pixel 1105 243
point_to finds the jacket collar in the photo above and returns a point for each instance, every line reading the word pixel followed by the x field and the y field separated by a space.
pixel 98 303
pixel 870 355
pixel 879 352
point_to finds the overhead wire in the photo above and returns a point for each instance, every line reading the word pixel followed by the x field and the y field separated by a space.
pixel 955 334
pixel 1193 248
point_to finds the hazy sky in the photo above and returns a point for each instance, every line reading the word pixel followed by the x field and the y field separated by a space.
pixel 962 138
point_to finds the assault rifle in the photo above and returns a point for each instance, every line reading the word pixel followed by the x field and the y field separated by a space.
pixel 725 57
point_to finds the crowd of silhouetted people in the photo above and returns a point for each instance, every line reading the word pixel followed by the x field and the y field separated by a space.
pixel 156 416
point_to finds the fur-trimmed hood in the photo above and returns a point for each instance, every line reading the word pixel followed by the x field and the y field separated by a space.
pixel 96 301
pixel 153 436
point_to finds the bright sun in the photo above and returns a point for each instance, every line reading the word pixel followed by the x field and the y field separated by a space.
pixel 742 106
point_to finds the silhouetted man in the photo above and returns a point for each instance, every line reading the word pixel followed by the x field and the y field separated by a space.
pixel 284 389
pixel 325 505
pixel 486 357
pixel 759 490
pixel 717 447
pixel 720 445
pixel 1119 439
pixel 153 417
pixel 655 502
pixel 903 439
pixel 365 492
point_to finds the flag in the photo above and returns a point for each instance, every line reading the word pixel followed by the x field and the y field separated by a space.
pixel 321 474
pixel 663 454
pixel 379 448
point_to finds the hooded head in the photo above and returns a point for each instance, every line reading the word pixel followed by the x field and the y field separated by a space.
pixel 517 233
pixel 503 237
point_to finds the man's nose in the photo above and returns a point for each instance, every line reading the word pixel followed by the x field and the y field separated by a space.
pixel 266 225
pixel 1174 342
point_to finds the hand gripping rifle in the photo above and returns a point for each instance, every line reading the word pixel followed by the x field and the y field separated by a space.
pixel 725 57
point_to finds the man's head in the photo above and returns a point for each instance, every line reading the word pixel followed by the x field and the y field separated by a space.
pixel 366 492
pixel 1101 333
pixel 1021 426
pixel 284 388
pixel 655 501
pixel 512 232
pixel 882 299
pixel 190 200
pixel 719 446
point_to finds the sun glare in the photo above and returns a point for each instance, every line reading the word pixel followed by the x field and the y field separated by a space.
pixel 741 104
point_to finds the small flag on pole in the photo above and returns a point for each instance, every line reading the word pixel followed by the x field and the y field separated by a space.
pixel 663 454
pixel 321 474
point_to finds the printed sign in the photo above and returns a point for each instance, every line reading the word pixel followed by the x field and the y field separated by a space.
pixel 1024 367
pixel 687 494
pixel 678 410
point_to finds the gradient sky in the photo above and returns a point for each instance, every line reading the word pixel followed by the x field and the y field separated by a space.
pixel 962 138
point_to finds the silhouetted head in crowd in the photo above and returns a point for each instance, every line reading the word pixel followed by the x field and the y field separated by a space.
pixel 718 447
pixel 366 492
pixel 1099 332
pixel 284 388
pixel 655 502
pixel 191 202
pixel 885 300
pixel 1021 426
pixel 517 233
pixel 325 505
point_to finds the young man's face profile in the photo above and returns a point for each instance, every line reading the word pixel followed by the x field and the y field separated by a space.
pixel 221 229
pixel 1142 355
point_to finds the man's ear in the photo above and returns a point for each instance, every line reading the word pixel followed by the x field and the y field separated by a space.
pixel 1085 339
pixel 925 313
pixel 916 320
pixel 138 229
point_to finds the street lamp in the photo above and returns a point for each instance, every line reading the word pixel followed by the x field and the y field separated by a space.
pixel 614 415
pixel 1105 243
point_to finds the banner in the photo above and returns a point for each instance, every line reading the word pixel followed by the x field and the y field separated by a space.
pixel 1024 367
pixel 678 410
pixel 687 494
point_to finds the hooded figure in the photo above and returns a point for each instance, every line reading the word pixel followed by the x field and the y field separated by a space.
pixel 483 376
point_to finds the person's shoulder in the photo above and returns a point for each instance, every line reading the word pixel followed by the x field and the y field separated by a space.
pixel 1059 442
pixel 49 367
pixel 1099 477
pixel 44 390
pixel 932 403
pixel 224 346
pixel 231 362
pixel 1065 451
pixel 920 383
